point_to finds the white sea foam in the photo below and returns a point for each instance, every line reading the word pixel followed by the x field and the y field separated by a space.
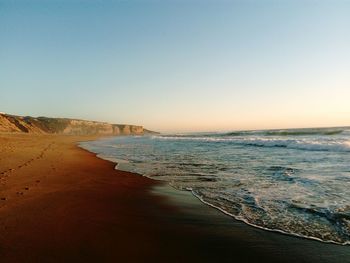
pixel 240 218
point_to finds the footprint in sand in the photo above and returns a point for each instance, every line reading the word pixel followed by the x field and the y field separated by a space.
pixel 4 173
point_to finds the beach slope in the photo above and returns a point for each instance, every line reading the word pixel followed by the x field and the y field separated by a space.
pixel 60 203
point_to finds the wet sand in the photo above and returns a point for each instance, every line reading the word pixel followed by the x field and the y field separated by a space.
pixel 60 203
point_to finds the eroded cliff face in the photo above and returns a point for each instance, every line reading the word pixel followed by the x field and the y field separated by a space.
pixel 127 129
pixel 80 127
pixel 11 123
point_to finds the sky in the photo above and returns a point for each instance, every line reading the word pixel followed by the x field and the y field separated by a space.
pixel 178 65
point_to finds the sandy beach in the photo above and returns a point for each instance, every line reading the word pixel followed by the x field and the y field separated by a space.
pixel 60 203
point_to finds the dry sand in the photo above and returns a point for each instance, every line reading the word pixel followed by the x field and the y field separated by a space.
pixel 60 203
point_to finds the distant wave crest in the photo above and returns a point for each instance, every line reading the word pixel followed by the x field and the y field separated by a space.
pixel 296 132
pixel 301 144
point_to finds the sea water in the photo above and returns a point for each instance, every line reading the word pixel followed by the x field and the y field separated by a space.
pixel 292 181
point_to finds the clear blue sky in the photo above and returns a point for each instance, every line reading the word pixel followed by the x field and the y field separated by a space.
pixel 178 65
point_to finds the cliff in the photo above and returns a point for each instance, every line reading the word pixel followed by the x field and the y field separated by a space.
pixel 44 125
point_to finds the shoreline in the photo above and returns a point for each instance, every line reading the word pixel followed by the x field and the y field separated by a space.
pixel 274 230
pixel 79 208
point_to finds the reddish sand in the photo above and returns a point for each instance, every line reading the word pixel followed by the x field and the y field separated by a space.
pixel 63 203
pixel 60 203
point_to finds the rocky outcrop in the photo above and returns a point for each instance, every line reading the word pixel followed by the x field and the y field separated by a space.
pixel 128 129
pixel 44 125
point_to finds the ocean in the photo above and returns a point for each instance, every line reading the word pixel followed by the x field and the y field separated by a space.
pixel 294 181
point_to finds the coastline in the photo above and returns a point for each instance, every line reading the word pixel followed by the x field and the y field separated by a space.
pixel 64 204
